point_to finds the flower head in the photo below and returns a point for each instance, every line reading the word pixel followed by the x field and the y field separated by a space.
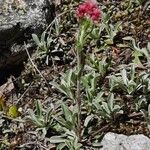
pixel 88 9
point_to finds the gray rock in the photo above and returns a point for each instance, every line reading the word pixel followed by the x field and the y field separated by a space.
pixel 112 141
pixel 18 20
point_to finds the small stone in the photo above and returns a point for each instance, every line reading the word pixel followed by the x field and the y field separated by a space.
pixel 113 141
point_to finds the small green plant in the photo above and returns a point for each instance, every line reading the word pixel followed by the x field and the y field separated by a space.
pixel 41 118
pixel 68 86
pixel 43 43
pixel 124 81
pixel 69 118
pixel 68 83
pixel 111 31
pixel 138 52
pixel 107 109
pixel 140 2
pixel 146 52
pixel 144 89
pixel 68 141
pixel 133 3
pixel 89 82
pixel 101 66
pixel 146 115
pixel 43 46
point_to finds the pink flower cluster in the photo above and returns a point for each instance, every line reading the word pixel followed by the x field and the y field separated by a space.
pixel 88 9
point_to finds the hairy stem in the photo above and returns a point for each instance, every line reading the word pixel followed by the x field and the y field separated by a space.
pixel 78 97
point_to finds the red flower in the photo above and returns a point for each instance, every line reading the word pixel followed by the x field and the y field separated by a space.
pixel 88 9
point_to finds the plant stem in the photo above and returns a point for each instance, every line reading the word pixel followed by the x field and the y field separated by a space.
pixel 80 66
pixel 78 97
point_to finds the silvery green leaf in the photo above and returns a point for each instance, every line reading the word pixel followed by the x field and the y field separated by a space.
pixel 49 114
pixel 38 106
pixel 97 105
pixel 94 81
pixel 49 41
pixel 111 101
pixel 71 94
pixel 57 139
pixel 132 72
pixel 99 98
pixel 87 120
pixel 43 37
pixel 61 88
pixel 105 107
pixel 98 145
pixel 118 25
pixel 145 52
pixel 116 108
pixel 136 60
pixel 128 38
pixel 34 118
pixel 36 39
pixel 67 113
pixel 60 146
pixel 124 76
pixel 69 77
pixel 109 41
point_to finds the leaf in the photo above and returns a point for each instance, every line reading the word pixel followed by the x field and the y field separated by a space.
pixel 87 120
pixel 109 41
pixel 67 113
pixel 69 77
pixel 132 72
pixel 61 146
pixel 35 119
pixel 85 82
pixel 145 52
pixel 94 82
pixel 38 106
pixel 49 41
pixel 106 108
pixel 99 98
pixel 97 145
pixel 111 101
pixel 49 115
pixel 136 55
pixel 124 76
pixel 66 124
pixel 61 88
pixel 57 139
pixel 137 52
pixel 43 37
pixel 116 108
pixel 128 38
pixel 36 39
pixel 13 112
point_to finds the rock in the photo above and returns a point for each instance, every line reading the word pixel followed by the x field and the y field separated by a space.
pixel 18 20
pixel 112 141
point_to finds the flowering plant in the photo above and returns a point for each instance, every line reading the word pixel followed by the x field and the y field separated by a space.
pixel 88 9
pixel 88 14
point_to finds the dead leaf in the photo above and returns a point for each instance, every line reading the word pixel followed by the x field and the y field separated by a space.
pixel 7 88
